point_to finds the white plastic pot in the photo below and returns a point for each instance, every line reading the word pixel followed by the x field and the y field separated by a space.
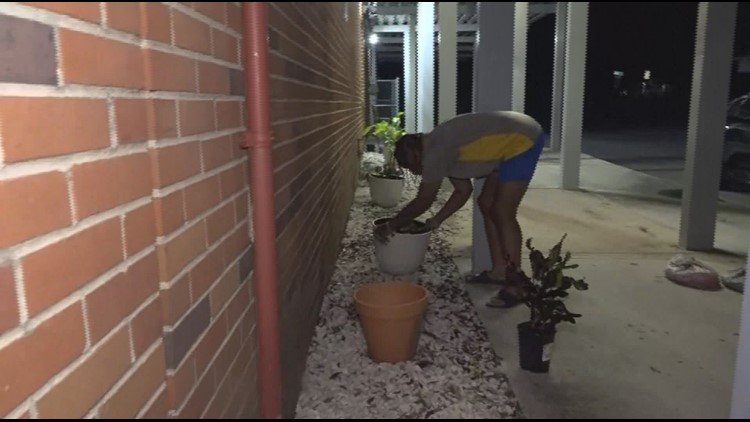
pixel 403 254
pixel 386 192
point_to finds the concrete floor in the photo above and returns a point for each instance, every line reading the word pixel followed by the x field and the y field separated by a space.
pixel 645 347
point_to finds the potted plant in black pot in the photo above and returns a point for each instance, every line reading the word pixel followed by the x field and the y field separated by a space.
pixel 387 182
pixel 544 293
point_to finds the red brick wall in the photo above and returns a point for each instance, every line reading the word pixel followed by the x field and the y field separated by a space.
pixel 125 242
pixel 317 93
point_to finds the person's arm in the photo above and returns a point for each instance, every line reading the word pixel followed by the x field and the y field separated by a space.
pixel 425 197
pixel 462 190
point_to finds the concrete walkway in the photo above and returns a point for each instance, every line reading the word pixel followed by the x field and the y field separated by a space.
pixel 645 347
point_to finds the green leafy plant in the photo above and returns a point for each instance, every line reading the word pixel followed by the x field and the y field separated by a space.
pixel 548 285
pixel 389 131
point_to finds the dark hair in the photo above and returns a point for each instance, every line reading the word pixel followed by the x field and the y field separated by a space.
pixel 408 142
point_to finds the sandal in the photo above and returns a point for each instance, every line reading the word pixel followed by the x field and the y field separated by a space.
pixel 504 299
pixel 484 278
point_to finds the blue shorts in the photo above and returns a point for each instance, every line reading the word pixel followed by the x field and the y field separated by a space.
pixel 521 168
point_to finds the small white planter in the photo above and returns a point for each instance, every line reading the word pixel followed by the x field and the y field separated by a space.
pixel 386 192
pixel 403 254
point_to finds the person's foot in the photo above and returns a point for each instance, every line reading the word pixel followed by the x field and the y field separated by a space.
pixel 485 277
pixel 505 298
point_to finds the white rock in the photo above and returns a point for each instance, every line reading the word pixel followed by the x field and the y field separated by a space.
pixel 442 381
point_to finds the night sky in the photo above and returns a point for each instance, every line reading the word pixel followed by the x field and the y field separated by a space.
pixel 629 37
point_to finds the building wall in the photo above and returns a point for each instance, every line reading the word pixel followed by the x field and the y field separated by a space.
pixel 124 236
pixel 317 91
pixel 125 239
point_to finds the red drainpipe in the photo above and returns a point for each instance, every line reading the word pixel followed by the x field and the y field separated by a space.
pixel 260 177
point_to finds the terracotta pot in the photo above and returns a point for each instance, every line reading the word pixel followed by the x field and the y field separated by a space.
pixel 392 317
pixel 403 254
pixel 386 192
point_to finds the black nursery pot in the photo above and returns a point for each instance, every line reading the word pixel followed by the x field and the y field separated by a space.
pixel 534 348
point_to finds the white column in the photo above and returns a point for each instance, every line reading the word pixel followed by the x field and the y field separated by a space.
pixel 708 108
pixel 448 60
pixel 575 73
pixel 520 34
pixel 561 30
pixel 410 76
pixel 495 87
pixel 426 66
pixel 740 404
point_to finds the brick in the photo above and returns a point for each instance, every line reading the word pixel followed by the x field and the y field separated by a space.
pixel 234 17
pixel 196 117
pixel 241 208
pixel 8 300
pixel 70 125
pixel 170 72
pixel 238 143
pixel 176 300
pixel 140 229
pixel 27 52
pixel 105 184
pixel 134 394
pixel 202 196
pixel 84 256
pixel 29 362
pixel 91 60
pixel 206 273
pixel 213 79
pixel 133 123
pixel 198 401
pixel 237 306
pixel 170 213
pixel 233 180
pixel 209 345
pixel 32 206
pixel 177 163
pixel 227 355
pixel 147 327
pixel 220 222
pixel 217 152
pixel 249 323
pixel 229 114
pixel 237 372
pixel 77 393
pixel 87 11
pixel 236 243
pixel 214 10
pixel 158 25
pixel 246 264
pixel 191 34
pixel 224 290
pixel 225 46
pixel 220 401
pixel 124 16
pixel 236 82
pixel 176 254
pixel 178 341
pixel 180 383
pixel 112 302
pixel 159 408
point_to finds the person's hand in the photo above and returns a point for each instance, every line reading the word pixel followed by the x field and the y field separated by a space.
pixel 383 232
pixel 432 224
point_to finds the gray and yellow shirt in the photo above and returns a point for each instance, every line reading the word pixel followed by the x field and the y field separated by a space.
pixel 473 145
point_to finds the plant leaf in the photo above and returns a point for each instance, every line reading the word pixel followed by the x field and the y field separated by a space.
pixel 580 285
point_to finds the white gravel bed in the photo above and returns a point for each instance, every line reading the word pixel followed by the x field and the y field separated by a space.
pixel 455 373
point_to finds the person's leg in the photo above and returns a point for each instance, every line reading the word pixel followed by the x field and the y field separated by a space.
pixel 486 203
pixel 514 179
pixel 507 202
